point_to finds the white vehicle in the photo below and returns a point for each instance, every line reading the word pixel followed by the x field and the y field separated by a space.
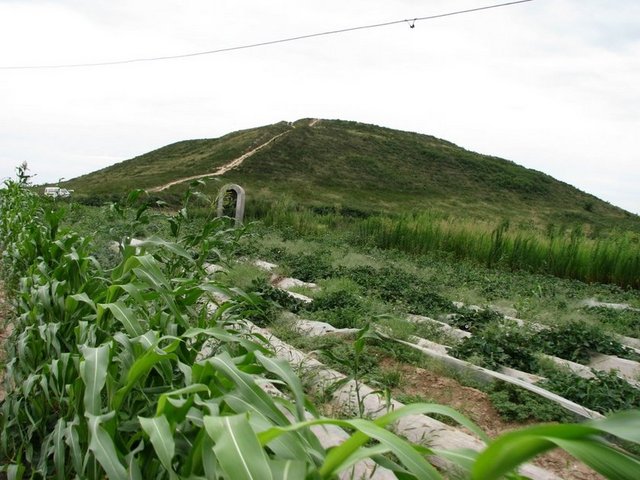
pixel 56 192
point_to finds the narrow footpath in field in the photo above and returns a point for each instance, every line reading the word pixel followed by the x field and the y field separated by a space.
pixel 229 166
pixel 5 331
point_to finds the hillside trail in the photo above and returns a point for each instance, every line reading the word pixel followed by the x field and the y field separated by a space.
pixel 229 166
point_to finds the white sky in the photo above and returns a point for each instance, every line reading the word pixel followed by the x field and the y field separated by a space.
pixel 553 85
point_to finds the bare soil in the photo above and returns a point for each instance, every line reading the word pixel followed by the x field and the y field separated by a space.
pixel 5 330
pixel 476 405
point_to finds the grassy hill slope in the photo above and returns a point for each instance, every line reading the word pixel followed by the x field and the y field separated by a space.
pixel 368 168
pixel 180 159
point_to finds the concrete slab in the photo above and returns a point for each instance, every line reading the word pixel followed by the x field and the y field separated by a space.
pixel 592 302
pixel 577 368
pixel 211 268
pixel 455 332
pixel 625 369
pixel 288 283
pixel 299 296
pixel 265 265
pixel 313 328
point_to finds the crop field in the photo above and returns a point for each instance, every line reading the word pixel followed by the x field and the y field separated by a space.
pixel 388 287
pixel 140 347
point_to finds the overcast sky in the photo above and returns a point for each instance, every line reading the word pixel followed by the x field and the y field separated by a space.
pixel 553 85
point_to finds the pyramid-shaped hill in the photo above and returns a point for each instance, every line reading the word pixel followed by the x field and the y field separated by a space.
pixel 360 167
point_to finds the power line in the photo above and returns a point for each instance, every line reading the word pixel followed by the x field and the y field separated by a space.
pixel 411 22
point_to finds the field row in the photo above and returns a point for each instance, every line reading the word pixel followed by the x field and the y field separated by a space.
pixel 575 360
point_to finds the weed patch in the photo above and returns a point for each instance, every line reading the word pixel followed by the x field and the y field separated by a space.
pixel 577 341
pixel 625 322
pixel 474 321
pixel 499 344
pixel 605 393
pixel 340 308
pixel 516 404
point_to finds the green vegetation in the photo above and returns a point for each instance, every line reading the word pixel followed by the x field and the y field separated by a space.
pixel 605 392
pixel 178 160
pixel 576 341
pixel 625 322
pixel 368 285
pixel 516 404
pixel 614 259
pixel 355 169
pixel 506 343
pixel 387 222
pixel 361 177
pixel 498 343
pixel 107 375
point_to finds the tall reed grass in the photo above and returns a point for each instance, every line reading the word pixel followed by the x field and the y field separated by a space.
pixel 615 259
pixel 567 254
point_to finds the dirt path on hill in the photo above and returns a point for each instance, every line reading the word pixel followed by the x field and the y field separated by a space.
pixel 229 166
pixel 476 405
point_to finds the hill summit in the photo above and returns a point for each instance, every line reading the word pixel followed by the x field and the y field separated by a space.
pixel 367 168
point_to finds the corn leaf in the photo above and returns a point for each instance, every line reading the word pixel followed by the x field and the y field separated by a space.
pixel 414 462
pixel 102 446
pixel 247 388
pixel 140 367
pixel 288 469
pixel 124 315
pixel 426 409
pixel 603 458
pixel 84 298
pixel 237 448
pixel 514 448
pixel 159 432
pixel 58 445
pixel 282 369
pixel 338 457
pixel 289 446
pixel 193 388
pixel 209 460
pixel 133 469
pixel 625 425
pixel 73 442
pixel 175 248
pixel 93 371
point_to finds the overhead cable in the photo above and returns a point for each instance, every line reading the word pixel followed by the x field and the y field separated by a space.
pixel 411 22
